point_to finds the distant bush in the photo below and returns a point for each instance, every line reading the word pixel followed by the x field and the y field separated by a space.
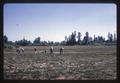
pixel 8 46
pixel 5 45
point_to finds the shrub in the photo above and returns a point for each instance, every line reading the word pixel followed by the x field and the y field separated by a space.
pixel 8 46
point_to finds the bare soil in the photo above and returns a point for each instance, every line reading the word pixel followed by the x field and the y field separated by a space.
pixel 77 63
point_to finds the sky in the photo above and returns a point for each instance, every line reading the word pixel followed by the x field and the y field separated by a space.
pixel 54 21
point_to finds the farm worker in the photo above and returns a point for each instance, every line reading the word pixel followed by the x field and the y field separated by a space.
pixel 61 50
pixel 18 51
pixel 51 50
pixel 22 49
pixel 35 49
pixel 45 51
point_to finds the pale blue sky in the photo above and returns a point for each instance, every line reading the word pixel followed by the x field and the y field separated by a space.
pixel 54 21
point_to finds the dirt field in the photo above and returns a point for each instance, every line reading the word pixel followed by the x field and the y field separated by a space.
pixel 77 63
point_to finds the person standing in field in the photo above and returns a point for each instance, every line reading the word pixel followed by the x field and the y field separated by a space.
pixel 45 51
pixel 51 50
pixel 22 49
pixel 35 49
pixel 18 51
pixel 61 50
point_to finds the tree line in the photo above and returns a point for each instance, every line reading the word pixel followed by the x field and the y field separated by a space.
pixel 73 39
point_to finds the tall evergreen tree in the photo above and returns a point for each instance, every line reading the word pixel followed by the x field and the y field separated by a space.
pixel 79 38
pixel 87 38
pixel 5 39
pixel 36 41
